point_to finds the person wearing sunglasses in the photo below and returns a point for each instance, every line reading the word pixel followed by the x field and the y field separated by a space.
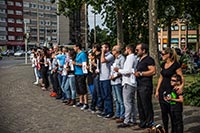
pixel 169 67
pixel 176 104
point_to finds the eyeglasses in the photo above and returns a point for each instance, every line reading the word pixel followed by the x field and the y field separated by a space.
pixel 173 80
pixel 163 54
pixel 136 50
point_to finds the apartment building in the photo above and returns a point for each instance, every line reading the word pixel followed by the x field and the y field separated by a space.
pixel 3 23
pixel 11 24
pixel 41 21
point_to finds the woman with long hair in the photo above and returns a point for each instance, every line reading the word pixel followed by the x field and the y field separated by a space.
pixel 169 67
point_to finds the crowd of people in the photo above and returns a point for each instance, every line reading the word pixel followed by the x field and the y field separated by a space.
pixel 119 82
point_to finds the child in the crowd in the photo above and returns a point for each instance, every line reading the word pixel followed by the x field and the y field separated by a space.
pixel 176 104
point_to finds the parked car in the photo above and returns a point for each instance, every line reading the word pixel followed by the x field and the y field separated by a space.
pixel 11 52
pixel 4 53
pixel 19 53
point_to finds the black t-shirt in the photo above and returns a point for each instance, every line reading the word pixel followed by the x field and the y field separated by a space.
pixel 142 66
pixel 167 74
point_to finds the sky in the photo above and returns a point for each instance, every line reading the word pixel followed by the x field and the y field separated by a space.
pixel 99 21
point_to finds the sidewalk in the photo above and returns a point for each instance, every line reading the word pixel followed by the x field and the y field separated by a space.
pixel 25 108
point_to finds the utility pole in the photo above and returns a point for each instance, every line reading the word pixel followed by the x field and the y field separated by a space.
pixel 38 25
pixel 58 23
pixel 86 29
pixel 95 32
pixel 26 41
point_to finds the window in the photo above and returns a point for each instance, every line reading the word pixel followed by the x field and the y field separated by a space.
pixel 47 7
pixel 11 20
pixel 19 30
pixel 175 27
pixel 27 21
pixel 2 11
pixel 41 7
pixel 2 2
pixel 19 38
pixel 53 8
pixel 11 37
pixel 26 4
pixel 42 22
pixel 33 5
pixel 47 22
pixel 33 22
pixel 11 29
pixel 41 14
pixel 2 38
pixel 183 27
pixel 10 12
pixel 19 21
pixel 18 4
pixel 18 12
pixel 54 23
pixel 2 28
pixel 190 27
pixel 2 19
pixel 10 3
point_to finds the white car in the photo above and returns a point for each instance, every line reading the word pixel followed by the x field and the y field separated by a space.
pixel 19 53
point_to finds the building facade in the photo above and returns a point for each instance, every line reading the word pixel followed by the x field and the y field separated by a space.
pixel 3 23
pixel 41 22
pixel 11 24
pixel 178 36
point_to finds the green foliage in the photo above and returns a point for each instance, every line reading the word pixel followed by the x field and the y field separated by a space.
pixel 191 93
pixel 102 35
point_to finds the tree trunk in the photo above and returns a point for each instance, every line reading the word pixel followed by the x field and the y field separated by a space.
pixel 198 44
pixel 120 37
pixel 153 34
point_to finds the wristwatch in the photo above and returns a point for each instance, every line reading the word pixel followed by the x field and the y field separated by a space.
pixel 140 73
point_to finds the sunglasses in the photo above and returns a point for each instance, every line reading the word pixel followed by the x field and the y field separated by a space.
pixel 163 54
pixel 173 80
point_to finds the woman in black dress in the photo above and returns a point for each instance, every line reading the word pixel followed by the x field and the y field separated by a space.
pixel 169 67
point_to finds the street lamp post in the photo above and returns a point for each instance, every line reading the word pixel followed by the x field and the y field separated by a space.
pixel 186 19
pixel 169 12
pixel 26 41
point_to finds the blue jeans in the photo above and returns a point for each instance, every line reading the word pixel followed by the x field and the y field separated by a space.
pixel 118 99
pixel 64 78
pixel 59 79
pixel 96 95
pixel 91 89
pixel 70 87
pixel 106 93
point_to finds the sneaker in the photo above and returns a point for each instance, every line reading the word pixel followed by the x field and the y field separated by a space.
pixel 79 104
pixel 35 83
pixel 43 88
pixel 102 114
pixel 65 101
pixel 123 125
pixel 108 116
pixel 98 111
pixel 53 94
pixel 85 107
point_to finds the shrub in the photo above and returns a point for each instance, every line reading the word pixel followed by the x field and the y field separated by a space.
pixel 191 93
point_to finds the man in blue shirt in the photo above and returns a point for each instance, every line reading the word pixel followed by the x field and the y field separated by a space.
pixel 80 77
